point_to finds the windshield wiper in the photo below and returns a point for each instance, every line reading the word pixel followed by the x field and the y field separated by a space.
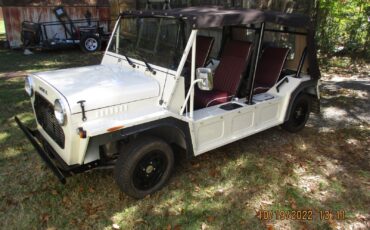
pixel 129 61
pixel 148 66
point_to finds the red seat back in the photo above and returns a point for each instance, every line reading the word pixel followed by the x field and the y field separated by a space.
pixel 204 47
pixel 233 63
pixel 270 66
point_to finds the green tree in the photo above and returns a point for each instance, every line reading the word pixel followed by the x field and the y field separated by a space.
pixel 343 26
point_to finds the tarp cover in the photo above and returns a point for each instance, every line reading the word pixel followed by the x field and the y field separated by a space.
pixel 211 17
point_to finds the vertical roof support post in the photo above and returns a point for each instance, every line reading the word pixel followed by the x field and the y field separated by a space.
pixel 116 28
pixel 192 36
pixel 193 53
pixel 189 46
pixel 255 63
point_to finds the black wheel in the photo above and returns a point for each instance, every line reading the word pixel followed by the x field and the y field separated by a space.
pixel 144 166
pixel 299 114
pixel 90 43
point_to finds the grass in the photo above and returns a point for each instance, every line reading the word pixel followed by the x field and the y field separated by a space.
pixel 19 64
pixel 222 189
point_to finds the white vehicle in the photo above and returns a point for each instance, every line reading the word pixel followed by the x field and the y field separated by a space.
pixel 157 87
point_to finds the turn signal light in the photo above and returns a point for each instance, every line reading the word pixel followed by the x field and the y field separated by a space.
pixel 81 132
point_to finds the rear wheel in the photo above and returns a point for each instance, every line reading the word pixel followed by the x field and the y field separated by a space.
pixel 90 43
pixel 144 166
pixel 299 114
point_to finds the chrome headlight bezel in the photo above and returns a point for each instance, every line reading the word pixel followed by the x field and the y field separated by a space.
pixel 28 86
pixel 60 112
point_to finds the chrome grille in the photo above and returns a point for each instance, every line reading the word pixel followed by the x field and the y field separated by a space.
pixel 46 118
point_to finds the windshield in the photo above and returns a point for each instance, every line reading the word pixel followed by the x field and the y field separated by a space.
pixel 153 40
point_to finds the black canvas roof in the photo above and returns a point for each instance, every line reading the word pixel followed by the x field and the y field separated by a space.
pixel 208 17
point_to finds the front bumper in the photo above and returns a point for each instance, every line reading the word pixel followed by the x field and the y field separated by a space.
pixel 32 137
pixel 60 169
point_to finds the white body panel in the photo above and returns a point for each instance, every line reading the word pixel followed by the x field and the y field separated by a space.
pixel 69 131
pixel 214 127
pixel 101 85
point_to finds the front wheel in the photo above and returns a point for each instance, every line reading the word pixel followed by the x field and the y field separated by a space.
pixel 90 43
pixel 299 114
pixel 144 166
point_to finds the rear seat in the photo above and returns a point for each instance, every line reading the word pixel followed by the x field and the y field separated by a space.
pixel 269 68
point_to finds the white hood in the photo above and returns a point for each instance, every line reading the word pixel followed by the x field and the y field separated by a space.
pixel 101 85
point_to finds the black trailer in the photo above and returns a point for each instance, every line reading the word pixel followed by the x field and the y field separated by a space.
pixel 88 33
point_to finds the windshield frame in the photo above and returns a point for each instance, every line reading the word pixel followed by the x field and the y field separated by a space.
pixel 137 60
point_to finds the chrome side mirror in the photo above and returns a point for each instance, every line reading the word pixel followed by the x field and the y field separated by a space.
pixel 206 77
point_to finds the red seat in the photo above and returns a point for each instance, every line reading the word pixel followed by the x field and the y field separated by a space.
pixel 269 68
pixel 210 98
pixel 228 75
pixel 204 47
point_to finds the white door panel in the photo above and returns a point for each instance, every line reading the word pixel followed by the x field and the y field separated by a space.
pixel 209 131
pixel 267 114
pixel 227 126
pixel 242 121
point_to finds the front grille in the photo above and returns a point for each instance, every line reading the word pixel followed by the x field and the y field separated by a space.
pixel 46 118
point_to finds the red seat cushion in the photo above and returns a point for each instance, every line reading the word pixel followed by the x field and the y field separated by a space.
pixel 259 88
pixel 209 98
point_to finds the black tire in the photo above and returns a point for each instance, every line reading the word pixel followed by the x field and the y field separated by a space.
pixel 299 114
pixel 90 43
pixel 144 166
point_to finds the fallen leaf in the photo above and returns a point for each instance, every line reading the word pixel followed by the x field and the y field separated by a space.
pixel 214 173
pixel 169 227
pixel 177 227
pixel 140 221
pixel 192 178
pixel 267 202
pixel 66 201
pixel 360 217
pixel 196 165
pixel 293 204
pixel 210 219
pixel 94 216
pixel 73 222
pixel 45 217
pixel 219 192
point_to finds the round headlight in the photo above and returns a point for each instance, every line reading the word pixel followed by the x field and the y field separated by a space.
pixel 28 86
pixel 60 112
